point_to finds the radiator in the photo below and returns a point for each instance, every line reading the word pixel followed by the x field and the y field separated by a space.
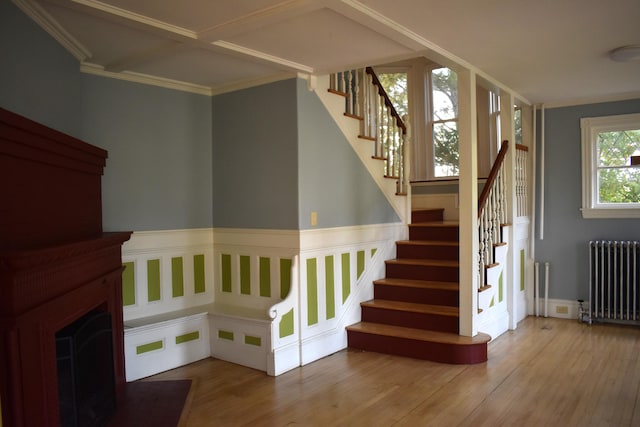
pixel 614 292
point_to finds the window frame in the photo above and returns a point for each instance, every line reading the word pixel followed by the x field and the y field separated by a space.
pixel 591 127
pixel 431 122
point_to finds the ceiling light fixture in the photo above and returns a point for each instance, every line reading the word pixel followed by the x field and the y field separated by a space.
pixel 626 53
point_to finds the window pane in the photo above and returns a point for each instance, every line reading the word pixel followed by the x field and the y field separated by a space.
pixel 616 148
pixel 445 148
pixel 395 84
pixel 621 185
pixel 445 94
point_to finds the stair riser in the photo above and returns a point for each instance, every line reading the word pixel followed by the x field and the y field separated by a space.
pixel 432 322
pixel 422 272
pixel 425 350
pixel 417 295
pixel 427 215
pixel 450 234
pixel 409 251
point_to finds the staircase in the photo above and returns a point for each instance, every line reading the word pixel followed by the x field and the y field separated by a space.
pixel 415 312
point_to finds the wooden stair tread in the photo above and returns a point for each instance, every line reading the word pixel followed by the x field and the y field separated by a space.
pixel 428 242
pixel 418 334
pixel 441 310
pixel 436 224
pixel 425 284
pixel 426 262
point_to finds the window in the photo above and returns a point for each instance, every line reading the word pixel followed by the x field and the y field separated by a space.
pixel 444 122
pixel 610 183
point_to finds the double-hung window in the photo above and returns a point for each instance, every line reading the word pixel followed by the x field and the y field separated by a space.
pixel 610 173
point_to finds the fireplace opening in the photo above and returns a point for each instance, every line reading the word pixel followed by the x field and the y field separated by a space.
pixel 86 380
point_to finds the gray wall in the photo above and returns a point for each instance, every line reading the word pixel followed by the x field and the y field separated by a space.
pixel 158 174
pixel 255 158
pixel 566 233
pixel 38 78
pixel 333 181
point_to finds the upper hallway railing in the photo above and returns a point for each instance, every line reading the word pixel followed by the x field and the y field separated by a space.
pixel 367 101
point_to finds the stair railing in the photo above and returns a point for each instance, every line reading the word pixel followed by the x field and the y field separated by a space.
pixel 367 101
pixel 491 215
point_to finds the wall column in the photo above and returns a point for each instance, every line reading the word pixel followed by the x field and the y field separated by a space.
pixel 468 195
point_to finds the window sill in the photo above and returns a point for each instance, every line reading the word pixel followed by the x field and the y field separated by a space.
pixel 610 213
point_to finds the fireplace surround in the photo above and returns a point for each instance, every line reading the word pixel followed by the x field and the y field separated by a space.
pixel 56 263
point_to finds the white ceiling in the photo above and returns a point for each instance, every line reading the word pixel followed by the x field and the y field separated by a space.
pixel 545 51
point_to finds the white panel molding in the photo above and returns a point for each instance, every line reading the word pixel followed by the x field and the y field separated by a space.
pixel 282 239
pixel 314 239
pixel 55 30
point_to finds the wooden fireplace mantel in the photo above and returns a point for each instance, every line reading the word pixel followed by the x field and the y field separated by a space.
pixel 56 264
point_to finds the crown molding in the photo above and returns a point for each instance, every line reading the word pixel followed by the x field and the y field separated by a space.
pixel 90 68
pixel 135 17
pixel 53 28
pixel 592 100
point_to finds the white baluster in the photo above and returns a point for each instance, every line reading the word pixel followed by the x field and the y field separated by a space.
pixel 357 92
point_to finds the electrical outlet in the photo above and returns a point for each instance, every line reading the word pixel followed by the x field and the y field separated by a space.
pixel 562 309
pixel 314 218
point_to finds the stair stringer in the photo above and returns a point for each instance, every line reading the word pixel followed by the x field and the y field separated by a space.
pixel 350 128
pixel 494 318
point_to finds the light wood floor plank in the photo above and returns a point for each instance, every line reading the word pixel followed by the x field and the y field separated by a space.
pixel 549 372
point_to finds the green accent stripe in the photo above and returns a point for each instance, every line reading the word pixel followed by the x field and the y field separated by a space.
pixel 312 292
pixel 346 276
pixel 522 269
pixel 226 273
pixel 257 341
pixel 191 336
pixel 286 324
pixel 245 275
pixel 265 277
pixel 153 279
pixel 500 292
pixel 330 287
pixel 493 301
pixel 360 263
pixel 198 274
pixel 373 251
pixel 129 284
pixel 177 277
pixel 145 348
pixel 285 277
pixel 225 335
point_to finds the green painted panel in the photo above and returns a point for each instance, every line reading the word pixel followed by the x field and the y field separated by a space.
pixel 245 275
pixel 225 335
pixel 360 263
pixel 493 301
pixel 153 280
pixel 265 277
pixel 286 324
pixel 145 348
pixel 373 251
pixel 500 291
pixel 346 276
pixel 198 274
pixel 522 269
pixel 257 341
pixel 226 273
pixel 285 277
pixel 129 284
pixel 312 292
pixel 177 277
pixel 191 336
pixel 330 290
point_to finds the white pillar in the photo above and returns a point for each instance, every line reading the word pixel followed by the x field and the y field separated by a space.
pixel 512 286
pixel 468 195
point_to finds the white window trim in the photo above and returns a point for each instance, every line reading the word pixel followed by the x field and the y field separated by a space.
pixel 590 128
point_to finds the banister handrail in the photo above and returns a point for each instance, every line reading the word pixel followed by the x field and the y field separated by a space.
pixel 482 200
pixel 382 92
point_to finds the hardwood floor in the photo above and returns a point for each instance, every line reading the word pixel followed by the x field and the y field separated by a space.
pixel 549 372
